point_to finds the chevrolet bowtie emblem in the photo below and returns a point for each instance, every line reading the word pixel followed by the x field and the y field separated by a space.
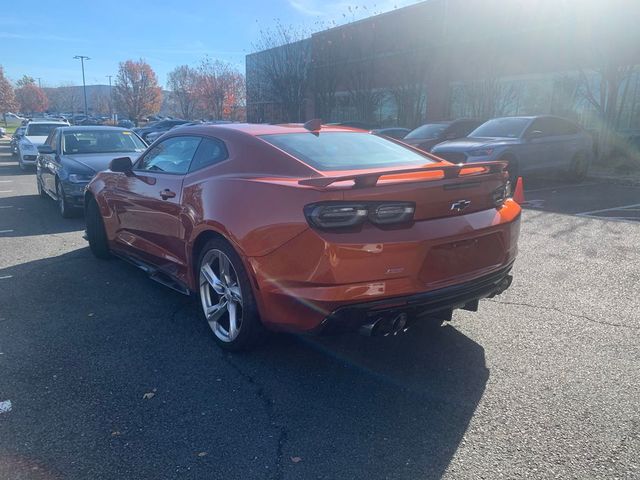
pixel 460 205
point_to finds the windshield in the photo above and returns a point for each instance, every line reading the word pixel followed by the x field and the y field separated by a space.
pixel 428 131
pixel 41 129
pixel 502 127
pixel 345 150
pixel 101 142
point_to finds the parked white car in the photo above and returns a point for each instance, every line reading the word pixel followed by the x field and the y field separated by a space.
pixel 13 120
pixel 35 135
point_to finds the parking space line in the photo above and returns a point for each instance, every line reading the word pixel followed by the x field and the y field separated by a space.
pixel 6 206
pixel 613 219
pixel 559 187
pixel 5 277
pixel 6 191
pixel 6 181
pixel 622 207
pixel 6 231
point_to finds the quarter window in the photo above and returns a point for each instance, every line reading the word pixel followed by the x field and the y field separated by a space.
pixel 209 152
pixel 172 155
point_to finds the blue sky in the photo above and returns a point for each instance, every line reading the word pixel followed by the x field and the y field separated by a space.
pixel 40 37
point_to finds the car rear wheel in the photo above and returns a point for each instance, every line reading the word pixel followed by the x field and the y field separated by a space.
pixel 227 298
pixel 579 168
pixel 96 234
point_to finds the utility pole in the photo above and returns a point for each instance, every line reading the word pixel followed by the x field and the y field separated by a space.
pixel 110 99
pixel 82 58
pixel 39 85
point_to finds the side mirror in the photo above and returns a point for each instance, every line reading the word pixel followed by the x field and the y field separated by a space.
pixel 46 150
pixel 121 164
pixel 535 134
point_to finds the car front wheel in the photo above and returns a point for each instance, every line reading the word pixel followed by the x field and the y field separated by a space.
pixel 227 298
pixel 66 210
pixel 41 191
pixel 96 234
pixel 512 168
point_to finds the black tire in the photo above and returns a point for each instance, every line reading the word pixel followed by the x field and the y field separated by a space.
pixel 41 192
pixel 96 234
pixel 66 210
pixel 251 332
pixel 579 168
pixel 512 168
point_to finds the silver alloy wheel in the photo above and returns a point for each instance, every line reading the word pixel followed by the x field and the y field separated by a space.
pixel 221 295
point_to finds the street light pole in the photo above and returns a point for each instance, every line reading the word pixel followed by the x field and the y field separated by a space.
pixel 84 86
pixel 110 99
pixel 39 85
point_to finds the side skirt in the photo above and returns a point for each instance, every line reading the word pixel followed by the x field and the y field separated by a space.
pixel 155 273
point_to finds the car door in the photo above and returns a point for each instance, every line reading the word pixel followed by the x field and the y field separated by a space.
pixel 48 162
pixel 535 152
pixel 147 203
pixel 573 143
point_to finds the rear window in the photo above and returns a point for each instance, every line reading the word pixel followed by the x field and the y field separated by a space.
pixel 42 129
pixel 345 150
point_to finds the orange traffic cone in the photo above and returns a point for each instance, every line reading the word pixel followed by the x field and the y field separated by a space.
pixel 518 195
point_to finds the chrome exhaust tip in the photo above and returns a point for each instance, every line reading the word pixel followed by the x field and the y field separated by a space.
pixel 385 326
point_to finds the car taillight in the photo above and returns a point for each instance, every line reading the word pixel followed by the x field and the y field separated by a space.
pixel 501 193
pixel 387 213
pixel 343 215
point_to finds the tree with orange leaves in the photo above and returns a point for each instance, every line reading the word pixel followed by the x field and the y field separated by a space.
pixel 31 98
pixel 136 90
pixel 7 95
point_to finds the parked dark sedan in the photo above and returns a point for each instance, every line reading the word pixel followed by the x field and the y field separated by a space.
pixel 15 138
pixel 429 135
pixel 161 126
pixel 71 156
pixel 529 145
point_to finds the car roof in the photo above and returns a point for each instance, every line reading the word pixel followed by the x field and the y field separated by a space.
pixel 90 128
pixel 47 122
pixel 257 129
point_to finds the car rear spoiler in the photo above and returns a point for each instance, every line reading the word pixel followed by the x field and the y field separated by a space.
pixel 361 180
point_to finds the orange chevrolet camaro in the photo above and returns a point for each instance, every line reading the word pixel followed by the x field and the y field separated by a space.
pixel 307 228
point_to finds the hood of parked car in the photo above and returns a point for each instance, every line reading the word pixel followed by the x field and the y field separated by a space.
pixel 97 162
pixel 472 143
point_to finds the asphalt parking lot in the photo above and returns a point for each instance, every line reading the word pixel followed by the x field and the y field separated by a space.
pixel 105 374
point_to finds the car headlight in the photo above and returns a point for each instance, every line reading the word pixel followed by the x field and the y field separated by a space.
pixel 481 152
pixel 80 178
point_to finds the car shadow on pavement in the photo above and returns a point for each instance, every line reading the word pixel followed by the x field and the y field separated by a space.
pixel 19 219
pixel 109 372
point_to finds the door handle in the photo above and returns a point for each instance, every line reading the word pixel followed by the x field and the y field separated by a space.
pixel 166 193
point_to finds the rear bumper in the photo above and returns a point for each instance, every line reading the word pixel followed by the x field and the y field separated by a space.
pixel 315 277
pixel 466 295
